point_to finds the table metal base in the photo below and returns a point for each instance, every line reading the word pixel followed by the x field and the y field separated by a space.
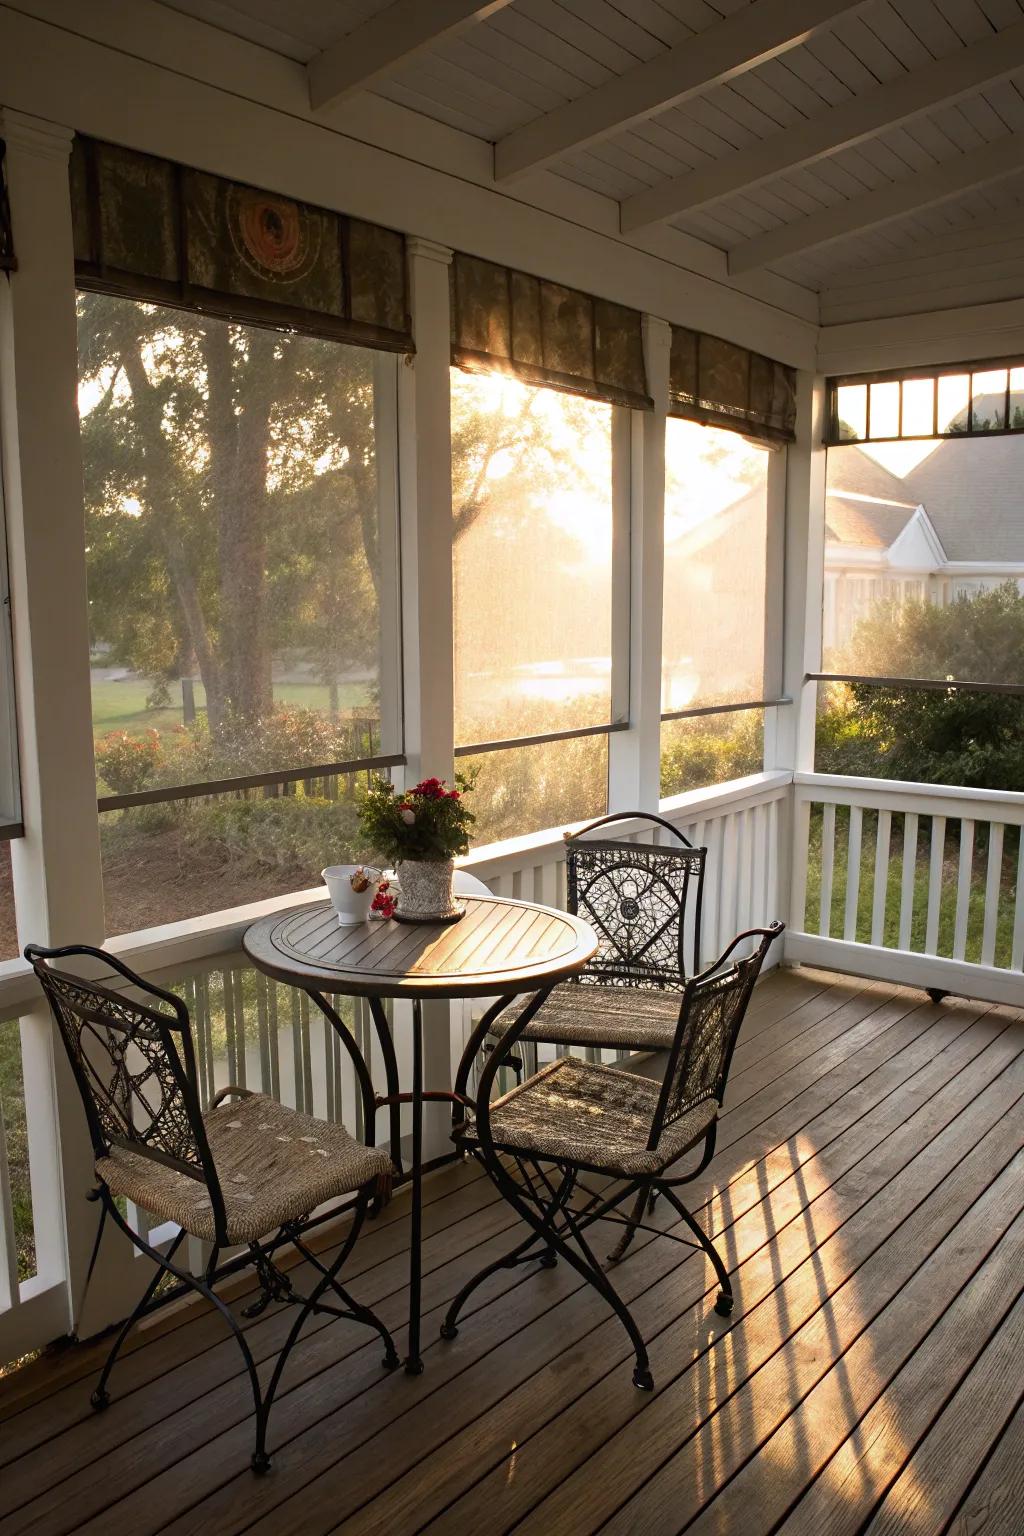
pixel 416 1099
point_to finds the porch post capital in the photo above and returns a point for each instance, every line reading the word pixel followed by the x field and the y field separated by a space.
pixel 429 250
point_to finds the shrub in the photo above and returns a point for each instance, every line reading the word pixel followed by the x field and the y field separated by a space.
pixel 289 737
pixel 709 749
pixel 126 763
pixel 937 736
pixel 301 833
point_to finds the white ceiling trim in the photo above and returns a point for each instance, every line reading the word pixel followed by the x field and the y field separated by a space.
pixel 990 162
pixel 355 62
pixel 749 37
pixel 943 81
pixel 945 336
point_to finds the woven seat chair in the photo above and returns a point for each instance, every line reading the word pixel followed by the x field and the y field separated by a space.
pixel 228 1177
pixel 637 897
pixel 576 1117
pixel 644 903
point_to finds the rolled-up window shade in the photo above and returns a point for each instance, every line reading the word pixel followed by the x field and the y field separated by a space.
pixel 720 384
pixel 544 333
pixel 153 229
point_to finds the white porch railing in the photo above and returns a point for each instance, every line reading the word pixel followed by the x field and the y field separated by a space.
pixel 265 1036
pixel 923 885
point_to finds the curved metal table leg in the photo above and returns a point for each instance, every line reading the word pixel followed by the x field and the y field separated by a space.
pixel 387 1051
pixel 479 1034
pixel 362 1071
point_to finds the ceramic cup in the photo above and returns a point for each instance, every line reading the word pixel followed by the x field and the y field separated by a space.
pixel 351 906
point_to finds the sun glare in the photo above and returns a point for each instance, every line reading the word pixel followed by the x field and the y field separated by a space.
pixel 900 458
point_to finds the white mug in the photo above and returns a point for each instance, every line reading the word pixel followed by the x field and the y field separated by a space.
pixel 351 906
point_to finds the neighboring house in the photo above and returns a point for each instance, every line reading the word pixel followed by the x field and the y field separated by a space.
pixel 714 609
pixel 952 525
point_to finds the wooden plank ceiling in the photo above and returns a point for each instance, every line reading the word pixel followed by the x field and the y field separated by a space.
pixel 836 143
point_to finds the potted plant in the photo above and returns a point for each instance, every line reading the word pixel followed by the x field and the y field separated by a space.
pixel 420 831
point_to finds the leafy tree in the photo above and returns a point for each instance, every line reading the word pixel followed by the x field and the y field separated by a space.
pixel 230 499
pixel 946 736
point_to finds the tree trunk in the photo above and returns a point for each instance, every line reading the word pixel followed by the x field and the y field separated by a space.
pixel 160 477
pixel 239 445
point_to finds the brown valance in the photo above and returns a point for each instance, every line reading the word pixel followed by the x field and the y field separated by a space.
pixel 157 230
pixel 543 333
pixel 722 385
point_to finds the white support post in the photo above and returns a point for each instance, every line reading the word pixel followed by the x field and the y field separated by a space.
pixel 385 426
pixel 425 458
pixel 790 744
pixel 57 873
pixel 635 754
pixel 425 469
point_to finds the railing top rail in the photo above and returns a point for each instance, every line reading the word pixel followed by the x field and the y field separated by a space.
pixel 1001 805
pixel 692 805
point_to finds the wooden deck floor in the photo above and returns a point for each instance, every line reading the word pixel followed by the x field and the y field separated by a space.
pixel 869 1193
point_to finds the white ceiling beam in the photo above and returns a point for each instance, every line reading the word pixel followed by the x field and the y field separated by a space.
pixel 988 163
pixel 944 80
pixel 388 39
pixel 750 36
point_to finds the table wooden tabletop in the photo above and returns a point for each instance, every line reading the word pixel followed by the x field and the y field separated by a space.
pixel 499 946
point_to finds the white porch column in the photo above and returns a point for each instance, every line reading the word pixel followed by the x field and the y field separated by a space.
pixel 425 458
pixel 790 743
pixel 57 875
pixel 792 739
pixel 635 754
pixel 425 470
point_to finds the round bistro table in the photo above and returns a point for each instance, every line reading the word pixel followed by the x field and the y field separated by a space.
pixel 499 949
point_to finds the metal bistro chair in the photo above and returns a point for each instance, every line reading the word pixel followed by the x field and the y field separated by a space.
pixel 575 1117
pixel 227 1177
pixel 637 897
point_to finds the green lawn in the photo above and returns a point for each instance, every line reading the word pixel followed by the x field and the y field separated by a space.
pixel 121 706
pixel 894 875
pixel 12 1110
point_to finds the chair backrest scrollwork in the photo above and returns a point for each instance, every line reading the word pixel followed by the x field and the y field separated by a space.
pixel 710 1016
pixel 133 1064
pixel 642 900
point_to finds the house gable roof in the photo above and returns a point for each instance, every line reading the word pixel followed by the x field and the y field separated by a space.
pixel 972 490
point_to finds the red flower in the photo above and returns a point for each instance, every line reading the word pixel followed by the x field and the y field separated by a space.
pixel 430 789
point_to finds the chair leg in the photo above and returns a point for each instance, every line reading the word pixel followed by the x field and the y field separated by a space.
pixel 260 1460
pixel 592 1271
pixel 582 1261
pixel 520 1254
pixel 358 1311
pixel 204 1287
pixel 328 1281
pixel 101 1397
pixel 642 1204
pixel 724 1299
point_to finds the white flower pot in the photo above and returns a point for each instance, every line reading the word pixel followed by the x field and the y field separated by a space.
pixel 351 906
